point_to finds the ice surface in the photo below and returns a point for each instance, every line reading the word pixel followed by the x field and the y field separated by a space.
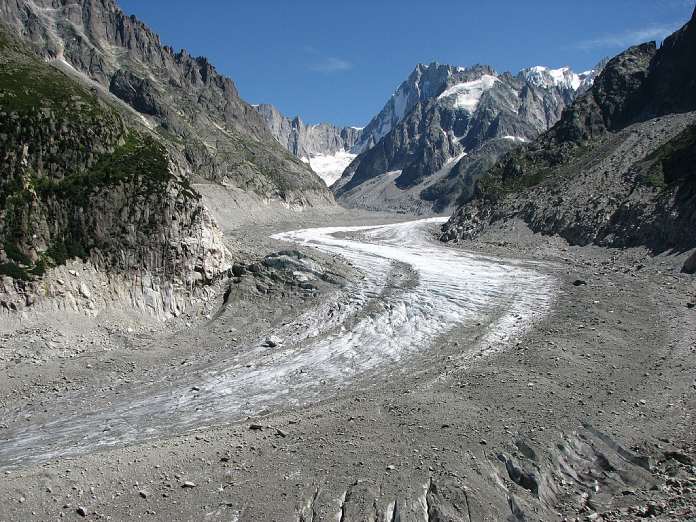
pixel 546 78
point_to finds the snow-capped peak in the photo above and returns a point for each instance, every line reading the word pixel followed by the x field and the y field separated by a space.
pixel 546 78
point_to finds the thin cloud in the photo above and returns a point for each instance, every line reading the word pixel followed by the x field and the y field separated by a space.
pixel 331 65
pixel 628 38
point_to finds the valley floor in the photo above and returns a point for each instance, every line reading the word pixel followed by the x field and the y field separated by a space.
pixel 514 378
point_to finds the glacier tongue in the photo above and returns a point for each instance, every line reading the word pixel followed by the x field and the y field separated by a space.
pixel 412 291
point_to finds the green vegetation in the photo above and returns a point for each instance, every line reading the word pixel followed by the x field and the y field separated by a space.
pixel 27 83
pixel 63 150
pixel 62 251
pixel 15 254
pixel 140 159
pixel 655 178
pixel 141 162
pixel 673 162
pixel 60 148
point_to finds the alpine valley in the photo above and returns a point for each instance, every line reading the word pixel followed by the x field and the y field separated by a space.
pixel 479 306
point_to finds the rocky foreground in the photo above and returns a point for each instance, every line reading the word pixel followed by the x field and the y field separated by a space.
pixel 587 415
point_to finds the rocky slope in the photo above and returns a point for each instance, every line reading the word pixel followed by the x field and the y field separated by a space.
pixel 209 130
pixel 444 127
pixel 80 182
pixel 106 135
pixel 327 148
pixel 617 169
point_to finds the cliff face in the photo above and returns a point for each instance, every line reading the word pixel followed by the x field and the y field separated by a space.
pixel 80 183
pixel 616 170
pixel 305 141
pixel 209 131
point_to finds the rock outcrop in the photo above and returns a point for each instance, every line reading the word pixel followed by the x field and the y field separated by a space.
pixel 616 170
pixel 80 182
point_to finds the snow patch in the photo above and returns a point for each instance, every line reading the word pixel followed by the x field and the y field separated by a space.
pixel 467 95
pixel 547 78
pixel 329 167
pixel 516 138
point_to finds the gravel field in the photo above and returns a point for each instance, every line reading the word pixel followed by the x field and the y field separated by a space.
pixel 565 390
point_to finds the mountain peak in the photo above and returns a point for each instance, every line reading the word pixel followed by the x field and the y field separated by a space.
pixel 563 77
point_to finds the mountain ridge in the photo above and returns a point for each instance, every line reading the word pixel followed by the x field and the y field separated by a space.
pixel 216 134
pixel 109 140
pixel 616 170
pixel 441 113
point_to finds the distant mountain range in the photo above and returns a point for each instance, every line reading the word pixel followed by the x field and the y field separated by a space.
pixel 327 148
pixel 443 127
pixel 434 137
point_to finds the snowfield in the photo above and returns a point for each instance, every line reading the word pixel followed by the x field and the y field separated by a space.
pixel 467 95
pixel 329 167
pixel 413 291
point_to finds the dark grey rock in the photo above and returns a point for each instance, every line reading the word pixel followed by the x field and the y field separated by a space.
pixel 238 270
pixel 690 265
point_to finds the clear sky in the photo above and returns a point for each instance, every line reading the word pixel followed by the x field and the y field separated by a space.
pixel 340 60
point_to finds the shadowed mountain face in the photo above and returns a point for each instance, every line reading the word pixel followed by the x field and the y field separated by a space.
pixel 618 167
pixel 444 126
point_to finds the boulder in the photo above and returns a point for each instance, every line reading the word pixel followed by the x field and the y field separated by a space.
pixel 690 264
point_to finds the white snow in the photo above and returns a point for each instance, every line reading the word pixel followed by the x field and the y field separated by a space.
pixel 516 138
pixel 546 78
pixel 467 95
pixel 329 167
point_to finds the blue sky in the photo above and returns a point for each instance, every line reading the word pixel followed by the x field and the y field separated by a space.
pixel 339 61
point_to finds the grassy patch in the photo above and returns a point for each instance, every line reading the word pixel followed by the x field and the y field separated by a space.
pixel 28 84
pixel 655 177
